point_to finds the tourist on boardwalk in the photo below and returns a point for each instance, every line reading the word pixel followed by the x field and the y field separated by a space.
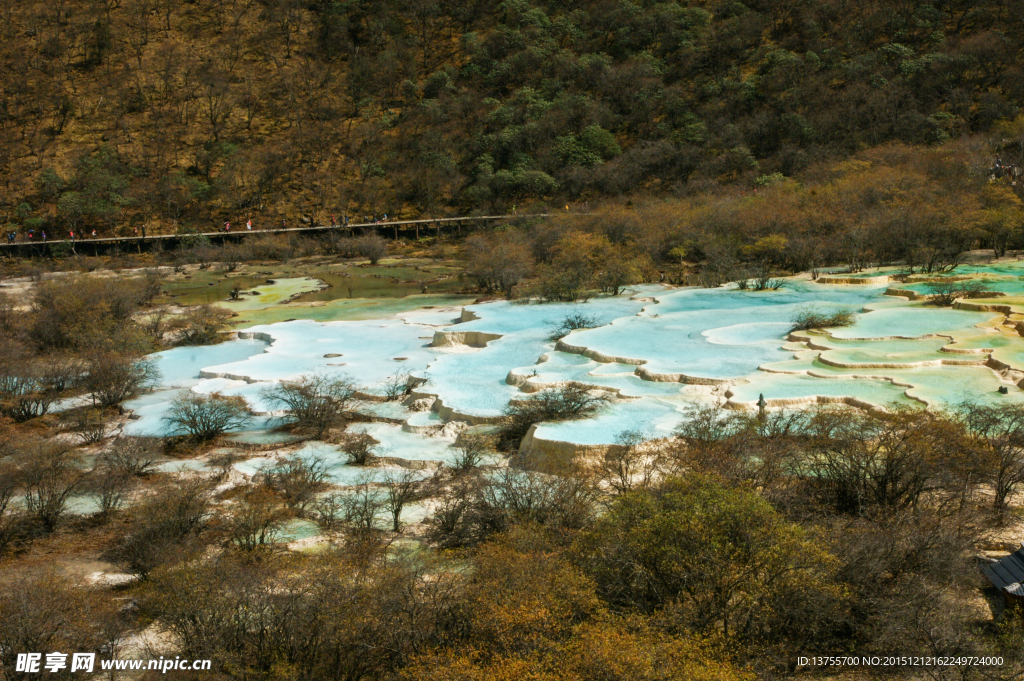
pixel 248 224
pixel 44 236
pixel 94 234
pixel 227 226
pixel 72 235
pixel 143 231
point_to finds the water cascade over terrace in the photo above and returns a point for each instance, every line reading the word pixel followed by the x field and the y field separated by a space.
pixel 655 351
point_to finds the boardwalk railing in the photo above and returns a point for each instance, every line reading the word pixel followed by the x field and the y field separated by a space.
pixel 36 246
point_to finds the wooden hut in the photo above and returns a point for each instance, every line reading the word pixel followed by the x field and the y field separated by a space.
pixel 1007 575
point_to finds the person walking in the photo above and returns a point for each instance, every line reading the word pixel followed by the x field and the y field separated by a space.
pixel 143 231
pixel 94 234
pixel 334 220
pixel 248 224
pixel 44 237
pixel 227 226
pixel 72 235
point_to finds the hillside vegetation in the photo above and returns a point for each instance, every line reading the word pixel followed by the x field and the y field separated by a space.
pixel 119 113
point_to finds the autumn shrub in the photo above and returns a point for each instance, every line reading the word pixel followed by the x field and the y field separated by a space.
pixel 567 403
pixel 810 318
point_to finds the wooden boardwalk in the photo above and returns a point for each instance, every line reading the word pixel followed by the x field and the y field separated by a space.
pixel 392 228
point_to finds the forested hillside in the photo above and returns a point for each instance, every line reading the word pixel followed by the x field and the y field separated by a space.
pixel 117 113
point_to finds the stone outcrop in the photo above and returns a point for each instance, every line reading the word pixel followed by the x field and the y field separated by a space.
pixel 453 337
pixel 553 456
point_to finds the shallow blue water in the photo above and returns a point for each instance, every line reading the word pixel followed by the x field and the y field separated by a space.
pixel 911 322
pixel 720 334
pixel 179 367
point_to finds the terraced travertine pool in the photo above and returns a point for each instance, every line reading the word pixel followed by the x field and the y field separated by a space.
pixel 657 351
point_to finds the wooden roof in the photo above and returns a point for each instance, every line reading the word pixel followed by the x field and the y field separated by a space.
pixel 1007 574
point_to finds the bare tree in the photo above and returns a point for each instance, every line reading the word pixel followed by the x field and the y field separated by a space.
pixel 626 466
pixel 329 510
pixel 517 496
pixel 134 455
pixel 454 519
pixel 224 462
pixel 358 447
pixel 255 522
pixel 1000 431
pixel 111 484
pixel 204 417
pixel 470 450
pixel 202 325
pixel 113 378
pixel 400 488
pixel 29 387
pixel 90 425
pixel 570 402
pixel 398 385
pixel 572 322
pixel 363 507
pixel 10 517
pixel 161 524
pixel 317 402
pixel 296 480
pixel 372 247
pixel 51 474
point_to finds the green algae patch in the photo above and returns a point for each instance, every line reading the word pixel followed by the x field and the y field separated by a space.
pixel 347 309
pixel 271 294
pixel 312 281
